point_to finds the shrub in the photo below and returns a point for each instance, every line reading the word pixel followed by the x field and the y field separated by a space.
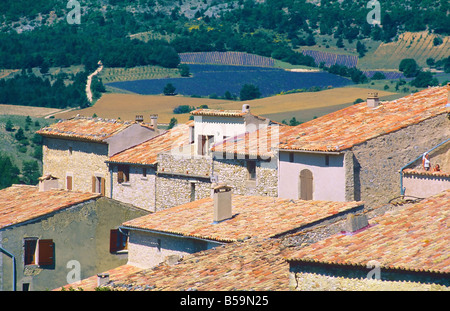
pixel 183 109
pixel 249 91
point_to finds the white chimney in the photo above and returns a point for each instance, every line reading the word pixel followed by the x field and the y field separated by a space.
pixel 373 100
pixel 154 121
pixel 245 108
pixel 48 182
pixel 102 279
pixel 222 202
pixel 139 118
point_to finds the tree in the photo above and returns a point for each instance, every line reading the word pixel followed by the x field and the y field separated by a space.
pixel 172 123
pixel 294 122
pixel 249 91
pixel 424 79
pixel 9 126
pixel 378 76
pixel 19 135
pixel 361 49
pixel 169 89
pixel 409 67
pixel 184 70
pixel 10 172
pixel 30 172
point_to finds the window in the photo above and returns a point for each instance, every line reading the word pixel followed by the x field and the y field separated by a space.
pixel 38 252
pixel 144 172
pixel 25 287
pixel 70 150
pixel 123 174
pixel 118 241
pixel 327 160
pixel 291 157
pixel 192 191
pixel 159 245
pixel 251 168
pixel 98 185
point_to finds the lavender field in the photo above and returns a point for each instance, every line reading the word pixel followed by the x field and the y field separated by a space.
pixel 207 80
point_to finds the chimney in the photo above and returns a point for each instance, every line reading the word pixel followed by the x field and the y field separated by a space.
pixel 372 100
pixel 154 121
pixel 139 118
pixel 448 96
pixel 355 223
pixel 245 108
pixel 48 182
pixel 102 279
pixel 222 202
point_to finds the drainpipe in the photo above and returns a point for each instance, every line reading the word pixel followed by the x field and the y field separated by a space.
pixel 13 266
pixel 111 180
pixel 402 189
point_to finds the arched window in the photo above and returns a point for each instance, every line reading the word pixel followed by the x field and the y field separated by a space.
pixel 306 185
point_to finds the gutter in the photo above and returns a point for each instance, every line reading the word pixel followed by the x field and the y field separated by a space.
pixel 13 267
pixel 402 189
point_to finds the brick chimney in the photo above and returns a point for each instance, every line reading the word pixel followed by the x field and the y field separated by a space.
pixel 139 118
pixel 222 202
pixel 372 100
pixel 154 121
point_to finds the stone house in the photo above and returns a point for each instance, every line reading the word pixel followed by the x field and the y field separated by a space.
pixel 207 223
pixel 356 153
pixel 50 237
pixel 178 171
pixel 406 249
pixel 75 150
pixel 418 182
pixel 133 171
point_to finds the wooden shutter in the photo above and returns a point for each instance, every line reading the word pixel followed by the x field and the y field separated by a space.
pixel 306 185
pixel 103 186
pixel 120 174
pixel 45 252
pixel 69 182
pixel 94 181
pixel 113 240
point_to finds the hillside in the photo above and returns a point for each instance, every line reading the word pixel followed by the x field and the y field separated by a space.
pixel 304 106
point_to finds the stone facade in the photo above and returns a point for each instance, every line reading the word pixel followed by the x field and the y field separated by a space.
pixel 309 281
pixel 81 237
pixel 148 249
pixel 377 162
pixel 139 190
pixel 80 159
pixel 234 172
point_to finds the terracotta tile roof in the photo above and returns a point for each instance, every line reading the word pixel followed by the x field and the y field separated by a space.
pixel 146 153
pixel 259 143
pixel 85 128
pixel 20 203
pixel 415 238
pixel 90 283
pixel 250 265
pixel 218 113
pixel 410 171
pixel 358 123
pixel 253 216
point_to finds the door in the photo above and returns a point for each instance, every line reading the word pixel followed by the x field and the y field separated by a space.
pixel 306 185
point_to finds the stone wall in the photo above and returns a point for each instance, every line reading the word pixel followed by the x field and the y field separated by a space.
pixel 81 235
pixel 234 172
pixel 86 160
pixel 379 160
pixel 174 190
pixel 147 249
pixel 139 190
pixel 305 281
